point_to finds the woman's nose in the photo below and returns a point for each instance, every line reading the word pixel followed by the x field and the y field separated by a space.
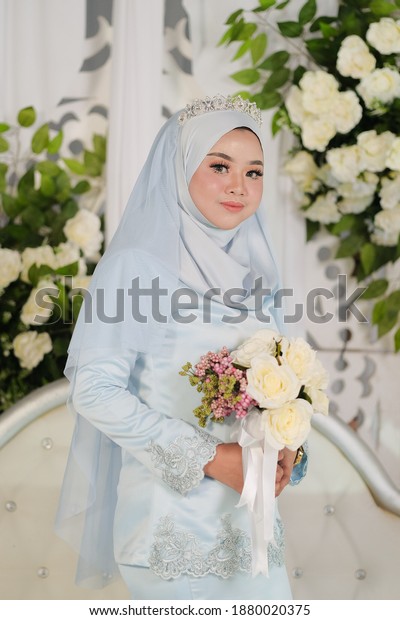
pixel 236 184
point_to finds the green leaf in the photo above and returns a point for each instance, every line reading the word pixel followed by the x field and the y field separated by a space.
pixel 381 8
pixel 266 4
pixel 290 29
pixel 63 186
pixel 4 145
pixel 258 47
pixel 81 188
pixel 275 61
pixel 33 217
pixel 345 223
pixel 26 117
pixel 4 127
pixel 276 80
pixel 378 312
pixel 3 176
pixel 393 301
pixel 93 164
pixel 279 120
pixel 375 289
pixel 307 13
pixel 60 346
pixel 55 144
pixel 368 255
pixel 36 273
pixel 265 101
pixel 26 183
pixel 75 166
pixel 40 139
pixel 100 147
pixel 350 245
pixel 386 324
pixel 327 30
pixel 282 4
pixel 10 205
pixel 246 32
pixel 311 229
pixel 233 17
pixel 246 76
pixel 397 338
pixel 47 185
pixel 68 270
pixel 49 168
pixel 298 74
pixel 243 49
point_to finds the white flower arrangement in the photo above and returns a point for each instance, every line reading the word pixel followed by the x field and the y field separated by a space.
pixel 50 241
pixel 336 86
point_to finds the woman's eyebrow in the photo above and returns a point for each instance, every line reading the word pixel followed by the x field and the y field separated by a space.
pixel 255 162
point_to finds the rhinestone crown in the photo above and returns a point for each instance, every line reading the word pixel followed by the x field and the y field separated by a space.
pixel 220 102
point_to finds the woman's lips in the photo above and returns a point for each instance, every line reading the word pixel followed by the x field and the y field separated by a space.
pixel 233 206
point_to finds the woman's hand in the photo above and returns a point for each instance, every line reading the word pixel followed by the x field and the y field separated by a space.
pixel 227 467
pixel 284 469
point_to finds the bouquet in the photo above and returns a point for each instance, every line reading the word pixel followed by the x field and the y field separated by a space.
pixel 273 385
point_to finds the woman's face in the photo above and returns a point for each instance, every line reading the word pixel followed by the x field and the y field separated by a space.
pixel 227 186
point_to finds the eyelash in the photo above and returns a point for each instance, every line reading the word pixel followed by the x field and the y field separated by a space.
pixel 224 164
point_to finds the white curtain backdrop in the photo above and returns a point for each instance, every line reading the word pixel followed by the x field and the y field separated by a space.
pixel 135 102
pixel 41 50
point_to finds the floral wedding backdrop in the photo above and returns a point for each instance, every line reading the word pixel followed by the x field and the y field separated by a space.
pixel 87 85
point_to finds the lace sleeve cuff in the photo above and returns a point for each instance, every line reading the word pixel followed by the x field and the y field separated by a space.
pixel 182 461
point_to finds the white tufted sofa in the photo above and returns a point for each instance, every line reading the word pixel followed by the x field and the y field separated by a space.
pixel 340 543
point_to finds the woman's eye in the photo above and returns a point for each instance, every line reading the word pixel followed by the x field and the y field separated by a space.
pixel 255 174
pixel 220 167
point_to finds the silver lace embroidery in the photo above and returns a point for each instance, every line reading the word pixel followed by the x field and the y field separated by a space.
pixel 176 552
pixel 182 461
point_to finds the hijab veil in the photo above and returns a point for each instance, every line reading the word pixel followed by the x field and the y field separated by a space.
pixel 162 229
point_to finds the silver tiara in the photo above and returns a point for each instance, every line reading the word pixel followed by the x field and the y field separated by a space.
pixel 219 102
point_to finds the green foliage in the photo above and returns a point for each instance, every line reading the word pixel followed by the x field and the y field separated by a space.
pixel 41 189
pixel 310 43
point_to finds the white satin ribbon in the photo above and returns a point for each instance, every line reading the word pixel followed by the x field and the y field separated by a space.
pixel 259 471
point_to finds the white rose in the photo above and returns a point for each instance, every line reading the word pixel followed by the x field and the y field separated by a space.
pixel 81 283
pixel 379 87
pixel 393 158
pixel 294 106
pixel 324 209
pixel 384 36
pixel 270 384
pixel 67 254
pixel 385 238
pixel 319 376
pixel 288 425
pixel 317 133
pixel 319 89
pixel 10 266
pixel 262 341
pixel 326 176
pixel 301 358
pixel 84 231
pixel 354 58
pixel 31 347
pixel 374 149
pixel 388 220
pixel 354 205
pixel 303 170
pixel 38 307
pixel 319 399
pixel 346 112
pixel 359 195
pixel 345 162
pixel 42 255
pixel 390 192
